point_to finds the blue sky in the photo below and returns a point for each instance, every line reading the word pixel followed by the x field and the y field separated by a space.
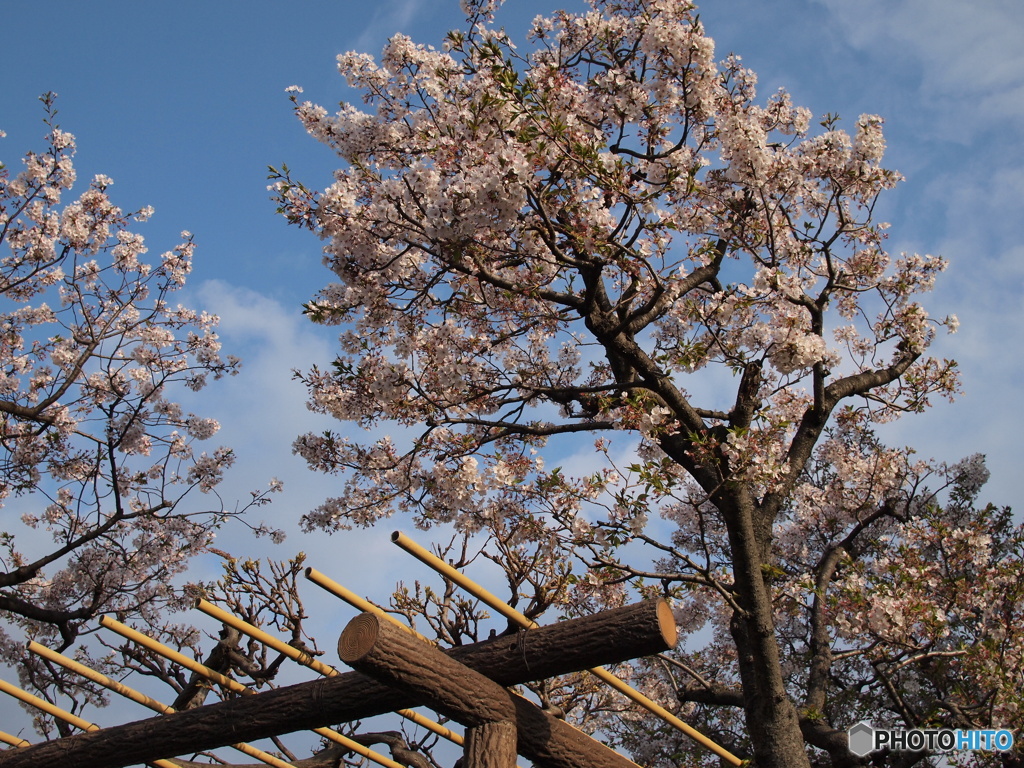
pixel 183 105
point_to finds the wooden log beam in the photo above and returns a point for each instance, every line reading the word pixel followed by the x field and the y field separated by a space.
pixel 569 646
pixel 393 656
pixel 390 654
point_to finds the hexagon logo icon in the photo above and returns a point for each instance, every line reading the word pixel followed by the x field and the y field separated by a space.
pixel 862 739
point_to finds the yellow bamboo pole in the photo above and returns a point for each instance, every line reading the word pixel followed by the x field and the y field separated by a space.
pixel 97 677
pixel 180 659
pixel 360 604
pixel 204 671
pixel 268 640
pixel 357 602
pixel 140 698
pixel 47 707
pixel 14 741
pixel 306 660
pixel 439 565
pixel 358 748
pixel 61 714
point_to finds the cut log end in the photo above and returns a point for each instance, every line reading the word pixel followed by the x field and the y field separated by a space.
pixel 667 622
pixel 359 637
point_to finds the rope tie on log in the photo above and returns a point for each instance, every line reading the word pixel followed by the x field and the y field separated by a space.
pixel 317 693
pixel 521 645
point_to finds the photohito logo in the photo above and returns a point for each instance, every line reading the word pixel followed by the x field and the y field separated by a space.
pixel 865 739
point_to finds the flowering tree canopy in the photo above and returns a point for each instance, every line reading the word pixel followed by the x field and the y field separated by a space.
pixel 93 450
pixel 610 236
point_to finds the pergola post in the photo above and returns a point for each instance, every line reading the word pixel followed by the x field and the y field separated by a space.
pixel 492 745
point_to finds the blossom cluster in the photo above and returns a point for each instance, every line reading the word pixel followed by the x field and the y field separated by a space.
pixel 94 449
pixel 612 233
pixel 486 187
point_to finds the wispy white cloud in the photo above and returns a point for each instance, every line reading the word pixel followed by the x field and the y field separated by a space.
pixel 985 288
pixel 954 76
pixel 262 411
pixel 388 19
pixel 969 56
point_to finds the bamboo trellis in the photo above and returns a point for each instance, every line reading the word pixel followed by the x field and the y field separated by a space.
pixel 305 659
pixel 236 687
pixel 139 697
pixel 61 714
pixel 444 569
pixel 308 661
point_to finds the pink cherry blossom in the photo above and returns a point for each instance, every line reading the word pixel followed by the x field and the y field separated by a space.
pixel 93 446
pixel 610 235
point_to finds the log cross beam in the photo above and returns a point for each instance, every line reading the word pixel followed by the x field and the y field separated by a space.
pixel 501 724
pixel 608 637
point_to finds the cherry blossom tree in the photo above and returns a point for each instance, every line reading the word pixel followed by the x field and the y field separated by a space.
pixel 898 604
pixel 101 462
pixel 610 238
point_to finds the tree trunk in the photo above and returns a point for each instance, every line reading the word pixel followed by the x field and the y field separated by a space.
pixel 771 717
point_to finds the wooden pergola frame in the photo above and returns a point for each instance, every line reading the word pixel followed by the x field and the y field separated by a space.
pixel 609 637
pixel 397 670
